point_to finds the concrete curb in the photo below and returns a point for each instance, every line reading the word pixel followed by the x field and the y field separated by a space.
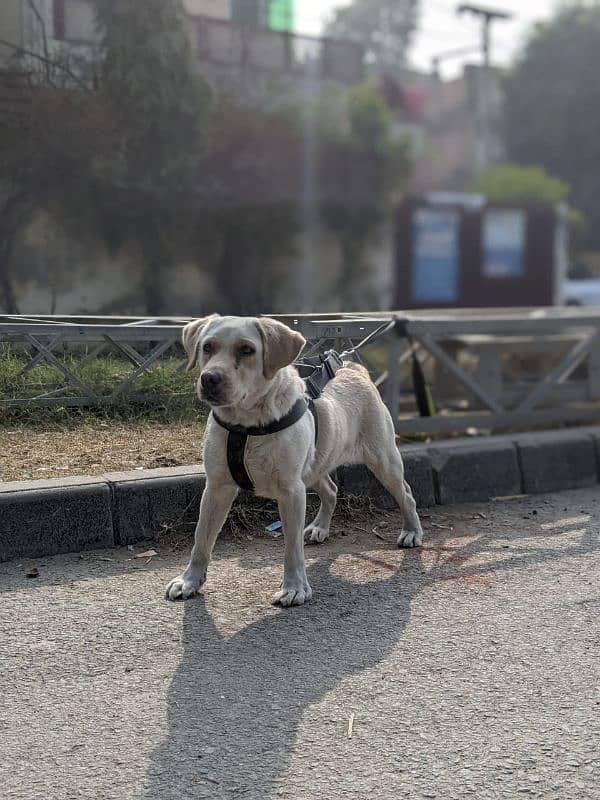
pixel 40 518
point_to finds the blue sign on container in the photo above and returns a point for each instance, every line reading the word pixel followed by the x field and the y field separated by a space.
pixel 435 256
pixel 503 238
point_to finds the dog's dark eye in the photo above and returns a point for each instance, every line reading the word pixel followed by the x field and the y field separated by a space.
pixel 207 347
pixel 246 350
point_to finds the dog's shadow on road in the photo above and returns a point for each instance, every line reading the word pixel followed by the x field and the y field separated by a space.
pixel 235 703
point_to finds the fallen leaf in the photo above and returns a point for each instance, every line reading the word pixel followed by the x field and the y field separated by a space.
pixel 146 554
pixel 32 573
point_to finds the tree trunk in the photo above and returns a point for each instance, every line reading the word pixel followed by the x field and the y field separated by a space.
pixel 12 218
pixel 352 277
pixel 9 300
pixel 8 294
pixel 230 275
pixel 153 286
pixel 156 261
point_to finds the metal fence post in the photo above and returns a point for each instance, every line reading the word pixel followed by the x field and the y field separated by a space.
pixel 392 384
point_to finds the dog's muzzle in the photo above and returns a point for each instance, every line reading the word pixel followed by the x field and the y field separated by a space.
pixel 212 386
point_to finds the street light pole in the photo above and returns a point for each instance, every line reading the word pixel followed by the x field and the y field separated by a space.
pixel 488 16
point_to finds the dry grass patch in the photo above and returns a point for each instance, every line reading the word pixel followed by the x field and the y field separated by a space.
pixel 92 447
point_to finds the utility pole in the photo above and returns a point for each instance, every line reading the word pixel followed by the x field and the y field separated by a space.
pixel 488 16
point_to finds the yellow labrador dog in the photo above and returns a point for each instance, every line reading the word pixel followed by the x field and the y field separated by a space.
pixel 247 377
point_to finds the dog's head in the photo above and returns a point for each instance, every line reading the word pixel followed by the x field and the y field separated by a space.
pixel 238 356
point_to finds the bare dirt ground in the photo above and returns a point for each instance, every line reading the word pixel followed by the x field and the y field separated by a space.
pixel 94 447
pixel 468 668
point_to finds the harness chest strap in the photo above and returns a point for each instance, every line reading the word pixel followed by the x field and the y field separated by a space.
pixel 237 438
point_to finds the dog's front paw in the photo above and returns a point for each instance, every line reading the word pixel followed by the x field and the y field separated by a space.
pixel 410 539
pixel 293 593
pixel 185 585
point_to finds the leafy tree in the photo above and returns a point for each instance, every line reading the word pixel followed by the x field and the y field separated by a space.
pixel 46 147
pixel 42 163
pixel 383 27
pixel 123 160
pixel 248 215
pixel 16 181
pixel 148 157
pixel 513 183
pixel 253 183
pixel 159 105
pixel 366 165
pixel 552 109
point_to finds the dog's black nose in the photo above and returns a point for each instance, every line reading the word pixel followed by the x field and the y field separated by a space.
pixel 211 381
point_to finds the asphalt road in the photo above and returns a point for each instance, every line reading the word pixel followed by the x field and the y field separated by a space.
pixel 471 667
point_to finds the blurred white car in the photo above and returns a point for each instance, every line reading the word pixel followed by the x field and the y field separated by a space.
pixel 582 292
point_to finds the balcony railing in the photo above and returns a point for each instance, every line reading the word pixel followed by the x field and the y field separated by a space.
pixel 261 49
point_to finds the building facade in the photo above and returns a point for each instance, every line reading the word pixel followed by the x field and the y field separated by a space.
pixel 462 129
pixel 233 48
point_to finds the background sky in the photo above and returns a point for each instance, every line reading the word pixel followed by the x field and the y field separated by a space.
pixel 441 29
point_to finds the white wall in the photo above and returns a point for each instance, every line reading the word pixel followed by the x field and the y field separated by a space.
pixel 62 276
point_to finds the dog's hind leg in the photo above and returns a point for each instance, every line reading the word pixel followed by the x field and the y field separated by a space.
pixel 388 468
pixel 318 530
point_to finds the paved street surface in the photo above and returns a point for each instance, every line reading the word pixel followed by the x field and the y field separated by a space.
pixel 471 666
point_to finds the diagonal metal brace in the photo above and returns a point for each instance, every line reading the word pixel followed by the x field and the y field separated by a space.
pixel 52 359
pixel 571 361
pixel 127 350
pixel 467 380
pixel 153 356
pixel 39 356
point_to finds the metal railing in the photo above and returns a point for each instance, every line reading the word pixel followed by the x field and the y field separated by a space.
pixel 490 369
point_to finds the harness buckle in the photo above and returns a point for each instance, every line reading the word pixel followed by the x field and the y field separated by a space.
pixel 320 377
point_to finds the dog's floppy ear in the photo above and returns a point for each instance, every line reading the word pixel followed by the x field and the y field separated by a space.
pixel 281 345
pixel 191 338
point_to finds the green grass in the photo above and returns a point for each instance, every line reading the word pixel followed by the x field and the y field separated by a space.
pixel 163 394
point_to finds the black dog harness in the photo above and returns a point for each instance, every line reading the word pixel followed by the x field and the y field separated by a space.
pixel 237 436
